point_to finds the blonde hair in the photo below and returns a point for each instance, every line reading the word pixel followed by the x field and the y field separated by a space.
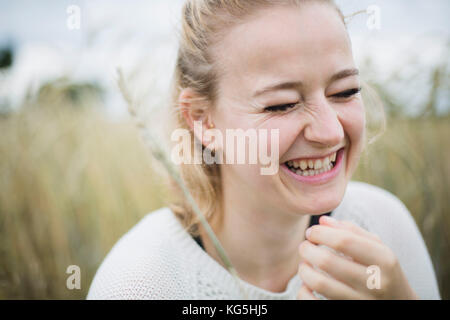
pixel 203 24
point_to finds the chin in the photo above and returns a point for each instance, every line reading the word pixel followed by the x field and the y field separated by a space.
pixel 322 203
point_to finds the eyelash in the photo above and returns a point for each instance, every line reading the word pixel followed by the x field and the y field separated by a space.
pixel 348 93
pixel 340 95
pixel 281 107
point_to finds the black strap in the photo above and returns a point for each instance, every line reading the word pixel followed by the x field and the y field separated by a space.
pixel 312 221
pixel 315 219
pixel 199 241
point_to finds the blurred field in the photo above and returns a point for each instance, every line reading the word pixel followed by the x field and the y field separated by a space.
pixel 412 160
pixel 71 183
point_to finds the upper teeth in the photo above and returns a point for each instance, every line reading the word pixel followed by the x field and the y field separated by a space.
pixel 313 164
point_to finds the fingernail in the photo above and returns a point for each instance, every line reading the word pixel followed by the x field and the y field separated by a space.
pixel 308 232
pixel 330 220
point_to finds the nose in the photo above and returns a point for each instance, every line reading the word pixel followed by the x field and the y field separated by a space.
pixel 324 126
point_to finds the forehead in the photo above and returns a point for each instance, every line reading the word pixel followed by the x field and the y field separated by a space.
pixel 285 42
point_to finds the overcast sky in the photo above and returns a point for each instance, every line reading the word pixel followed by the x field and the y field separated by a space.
pixel 123 32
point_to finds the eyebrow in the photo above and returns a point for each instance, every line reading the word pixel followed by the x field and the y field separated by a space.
pixel 296 84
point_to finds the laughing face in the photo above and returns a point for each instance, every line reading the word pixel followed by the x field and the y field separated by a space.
pixel 292 69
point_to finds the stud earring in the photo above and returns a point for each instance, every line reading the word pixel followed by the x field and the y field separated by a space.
pixel 211 125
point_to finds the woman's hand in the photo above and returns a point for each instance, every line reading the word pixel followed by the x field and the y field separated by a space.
pixel 344 274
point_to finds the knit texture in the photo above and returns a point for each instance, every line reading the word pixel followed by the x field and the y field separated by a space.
pixel 158 258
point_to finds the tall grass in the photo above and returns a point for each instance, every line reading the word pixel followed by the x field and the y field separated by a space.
pixel 412 160
pixel 72 182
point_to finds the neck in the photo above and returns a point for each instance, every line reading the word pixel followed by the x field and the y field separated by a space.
pixel 262 244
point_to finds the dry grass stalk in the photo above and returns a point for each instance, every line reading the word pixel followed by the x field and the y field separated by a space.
pixel 161 156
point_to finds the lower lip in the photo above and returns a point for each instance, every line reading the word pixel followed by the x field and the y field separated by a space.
pixel 319 178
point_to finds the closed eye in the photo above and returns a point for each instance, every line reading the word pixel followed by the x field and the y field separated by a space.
pixel 284 107
pixel 347 93
pixel 280 107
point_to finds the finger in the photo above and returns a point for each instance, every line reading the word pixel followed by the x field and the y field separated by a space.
pixel 347 225
pixel 360 249
pixel 325 285
pixel 349 272
pixel 305 294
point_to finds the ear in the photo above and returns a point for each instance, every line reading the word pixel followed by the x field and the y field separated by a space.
pixel 195 107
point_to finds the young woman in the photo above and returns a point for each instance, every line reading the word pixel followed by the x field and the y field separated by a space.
pixel 286 65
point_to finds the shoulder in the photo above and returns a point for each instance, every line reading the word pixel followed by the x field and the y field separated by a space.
pixel 377 210
pixel 372 195
pixel 374 205
pixel 142 264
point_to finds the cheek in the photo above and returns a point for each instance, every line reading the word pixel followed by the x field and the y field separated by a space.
pixel 288 130
pixel 354 123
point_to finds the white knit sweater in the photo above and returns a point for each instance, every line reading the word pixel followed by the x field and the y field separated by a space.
pixel 158 259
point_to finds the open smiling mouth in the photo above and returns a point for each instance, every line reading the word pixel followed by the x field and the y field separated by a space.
pixel 318 168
